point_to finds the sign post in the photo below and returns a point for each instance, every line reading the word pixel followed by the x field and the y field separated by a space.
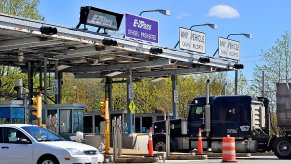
pixel 176 96
pixel 141 28
pixel 55 87
pixel 131 92
pixel 192 40
pixel 229 48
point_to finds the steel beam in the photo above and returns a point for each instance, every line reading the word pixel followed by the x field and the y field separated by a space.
pixel 156 63
pixel 45 62
pixel 84 52
pixel 25 43
pixel 151 74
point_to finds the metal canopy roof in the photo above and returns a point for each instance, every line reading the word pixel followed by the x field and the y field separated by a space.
pixel 83 53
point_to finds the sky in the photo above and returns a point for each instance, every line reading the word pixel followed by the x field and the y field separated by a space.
pixel 266 20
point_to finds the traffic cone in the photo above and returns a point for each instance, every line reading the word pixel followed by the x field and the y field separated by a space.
pixel 150 143
pixel 228 149
pixel 200 147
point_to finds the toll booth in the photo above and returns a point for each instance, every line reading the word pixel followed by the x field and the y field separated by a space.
pixel 12 112
pixel 143 121
pixel 64 119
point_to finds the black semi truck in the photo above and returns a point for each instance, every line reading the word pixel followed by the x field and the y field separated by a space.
pixel 246 118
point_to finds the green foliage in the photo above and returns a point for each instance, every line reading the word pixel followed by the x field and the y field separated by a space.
pixel 23 8
pixel 8 75
pixel 275 62
pixel 119 96
pixel 86 91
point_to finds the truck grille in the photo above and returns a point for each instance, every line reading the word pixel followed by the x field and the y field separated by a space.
pixel 90 152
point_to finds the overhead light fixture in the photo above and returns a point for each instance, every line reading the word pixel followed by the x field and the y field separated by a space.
pixel 204 60
pixel 238 66
pixel 78 61
pixel 92 61
pixel 106 57
pixel 109 42
pixel 143 69
pixel 247 35
pixel 123 59
pixel 71 48
pixel 47 30
pixel 157 79
pixel 114 73
pixel 162 11
pixel 99 18
pixel 156 50
pixel 171 66
pixel 62 67
pixel 20 57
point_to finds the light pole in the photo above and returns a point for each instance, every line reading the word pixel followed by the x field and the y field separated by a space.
pixel 236 70
pixel 213 26
pixel 162 11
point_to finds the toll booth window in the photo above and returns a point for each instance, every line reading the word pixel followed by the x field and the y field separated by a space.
pixel 65 121
pixel 4 115
pixel 77 120
pixel 18 116
pixel 52 120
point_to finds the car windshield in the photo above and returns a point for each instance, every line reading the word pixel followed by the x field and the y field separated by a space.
pixel 42 134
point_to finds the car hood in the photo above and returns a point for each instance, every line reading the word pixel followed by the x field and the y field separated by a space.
pixel 69 144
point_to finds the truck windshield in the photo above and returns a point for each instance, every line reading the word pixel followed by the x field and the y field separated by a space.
pixel 41 134
pixel 196 110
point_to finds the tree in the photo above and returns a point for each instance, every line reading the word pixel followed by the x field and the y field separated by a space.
pixel 23 8
pixel 8 74
pixel 275 63
pixel 86 91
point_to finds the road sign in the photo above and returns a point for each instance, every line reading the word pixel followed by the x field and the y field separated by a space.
pixel 229 48
pixel 132 107
pixel 55 87
pixel 176 96
pixel 130 92
pixel 141 28
pixel 192 40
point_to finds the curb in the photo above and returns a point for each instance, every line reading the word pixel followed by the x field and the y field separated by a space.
pixel 136 160
pixel 187 157
pixel 218 155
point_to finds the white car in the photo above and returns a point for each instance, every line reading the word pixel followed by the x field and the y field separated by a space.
pixel 29 144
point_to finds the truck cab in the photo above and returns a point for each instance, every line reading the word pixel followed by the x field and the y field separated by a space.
pixel 242 117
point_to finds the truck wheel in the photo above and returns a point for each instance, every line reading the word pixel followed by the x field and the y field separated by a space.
pixel 160 145
pixel 282 148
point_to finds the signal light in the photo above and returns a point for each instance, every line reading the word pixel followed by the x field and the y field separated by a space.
pixel 102 108
pixel 238 66
pixel 109 42
pixel 204 60
pixel 38 105
pixel 47 30
pixel 156 50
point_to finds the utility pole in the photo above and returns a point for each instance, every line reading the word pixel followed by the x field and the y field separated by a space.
pixel 286 56
pixel 263 83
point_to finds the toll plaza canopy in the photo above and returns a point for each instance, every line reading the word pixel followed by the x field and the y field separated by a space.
pixel 94 55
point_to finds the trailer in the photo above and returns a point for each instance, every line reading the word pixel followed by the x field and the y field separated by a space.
pixel 247 118
pixel 282 144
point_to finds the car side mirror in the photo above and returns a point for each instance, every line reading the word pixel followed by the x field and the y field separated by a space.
pixel 24 141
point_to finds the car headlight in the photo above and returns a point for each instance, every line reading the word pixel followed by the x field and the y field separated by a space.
pixel 73 151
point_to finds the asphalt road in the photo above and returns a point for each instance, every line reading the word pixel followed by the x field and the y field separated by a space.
pixel 246 160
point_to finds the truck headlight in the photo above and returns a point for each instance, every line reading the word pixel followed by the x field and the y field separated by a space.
pixel 73 151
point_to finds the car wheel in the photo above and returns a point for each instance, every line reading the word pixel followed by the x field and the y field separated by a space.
pixel 282 148
pixel 160 146
pixel 49 159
